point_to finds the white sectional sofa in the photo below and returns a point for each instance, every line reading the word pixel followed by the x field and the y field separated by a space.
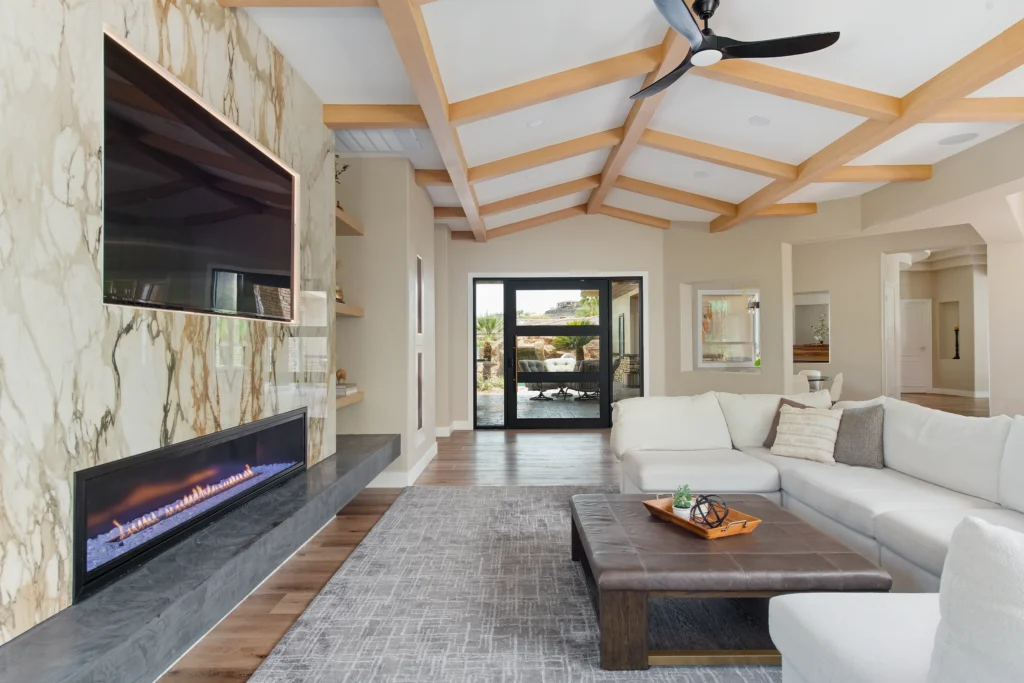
pixel 939 468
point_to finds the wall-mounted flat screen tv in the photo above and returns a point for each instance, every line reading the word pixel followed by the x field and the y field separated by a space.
pixel 196 217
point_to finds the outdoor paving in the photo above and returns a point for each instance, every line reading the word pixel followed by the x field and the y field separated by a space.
pixel 490 408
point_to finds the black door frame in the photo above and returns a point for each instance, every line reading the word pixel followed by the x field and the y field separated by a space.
pixel 602 331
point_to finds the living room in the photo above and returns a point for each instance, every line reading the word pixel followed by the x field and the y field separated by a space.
pixel 396 340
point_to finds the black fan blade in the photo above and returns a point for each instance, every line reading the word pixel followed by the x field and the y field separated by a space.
pixel 781 47
pixel 665 81
pixel 678 16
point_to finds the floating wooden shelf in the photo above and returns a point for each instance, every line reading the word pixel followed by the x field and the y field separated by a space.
pixel 345 225
pixel 345 401
pixel 348 310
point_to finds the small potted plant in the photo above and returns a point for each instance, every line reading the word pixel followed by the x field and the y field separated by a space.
pixel 681 501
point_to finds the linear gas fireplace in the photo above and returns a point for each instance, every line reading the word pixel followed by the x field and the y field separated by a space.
pixel 129 510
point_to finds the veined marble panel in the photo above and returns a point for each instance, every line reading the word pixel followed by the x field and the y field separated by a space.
pixel 82 383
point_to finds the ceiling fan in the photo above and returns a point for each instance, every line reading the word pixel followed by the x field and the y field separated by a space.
pixel 706 48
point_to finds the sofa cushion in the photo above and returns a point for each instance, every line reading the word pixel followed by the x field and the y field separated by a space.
pixel 860 437
pixel 855 637
pixel 807 433
pixel 713 471
pixel 957 452
pixel 855 495
pixel 1011 474
pixel 676 423
pixel 773 430
pixel 981 603
pixel 922 536
pixel 750 416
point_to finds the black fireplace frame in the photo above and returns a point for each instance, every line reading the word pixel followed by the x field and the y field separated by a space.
pixel 82 587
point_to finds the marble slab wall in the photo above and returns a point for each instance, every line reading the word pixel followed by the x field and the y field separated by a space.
pixel 82 383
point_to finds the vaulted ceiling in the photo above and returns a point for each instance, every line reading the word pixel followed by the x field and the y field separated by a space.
pixel 521 109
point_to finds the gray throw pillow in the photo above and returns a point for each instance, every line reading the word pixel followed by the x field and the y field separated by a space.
pixel 774 431
pixel 859 442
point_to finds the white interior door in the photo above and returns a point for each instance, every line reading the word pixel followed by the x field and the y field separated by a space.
pixel 915 333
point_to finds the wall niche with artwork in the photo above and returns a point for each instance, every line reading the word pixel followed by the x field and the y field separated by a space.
pixel 811 327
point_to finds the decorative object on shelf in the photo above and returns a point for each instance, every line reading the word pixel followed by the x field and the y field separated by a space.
pixel 735 523
pixel 681 501
pixel 341 375
pixel 709 511
pixel 956 332
pixel 339 295
pixel 338 170
pixel 819 330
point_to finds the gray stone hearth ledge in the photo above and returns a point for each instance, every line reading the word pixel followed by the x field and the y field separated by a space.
pixel 132 630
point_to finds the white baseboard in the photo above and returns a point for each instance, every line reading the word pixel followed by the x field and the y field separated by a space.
pixel 462 426
pixel 417 470
pixel 389 480
pixel 445 432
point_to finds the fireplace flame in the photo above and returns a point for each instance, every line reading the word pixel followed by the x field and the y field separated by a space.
pixel 198 494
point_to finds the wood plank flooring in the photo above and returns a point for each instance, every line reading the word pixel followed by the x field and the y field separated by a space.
pixel 961 405
pixel 233 650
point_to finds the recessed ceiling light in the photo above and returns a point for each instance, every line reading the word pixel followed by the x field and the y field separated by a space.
pixel 536 123
pixel 759 121
pixel 701 174
pixel 958 139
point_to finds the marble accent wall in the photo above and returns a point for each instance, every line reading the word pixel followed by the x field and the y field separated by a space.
pixel 82 383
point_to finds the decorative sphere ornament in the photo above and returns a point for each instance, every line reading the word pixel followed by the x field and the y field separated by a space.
pixel 709 511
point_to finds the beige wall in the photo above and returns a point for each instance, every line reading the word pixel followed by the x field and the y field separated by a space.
pixel 586 245
pixel 1006 327
pixel 378 272
pixel 442 331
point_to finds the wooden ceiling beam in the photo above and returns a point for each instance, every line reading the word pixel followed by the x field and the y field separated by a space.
pixel 547 194
pixel 981 109
pixel 794 86
pixel 374 116
pixel 878 174
pixel 408 30
pixel 795 209
pixel 449 212
pixel 545 155
pixel 994 59
pixel 556 86
pixel 670 194
pixel 674 49
pixel 531 223
pixel 432 177
pixel 636 217
pixel 718 155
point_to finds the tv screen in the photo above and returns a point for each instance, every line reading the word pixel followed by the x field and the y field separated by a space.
pixel 195 216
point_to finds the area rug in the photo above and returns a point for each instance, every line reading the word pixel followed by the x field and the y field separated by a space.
pixel 464 584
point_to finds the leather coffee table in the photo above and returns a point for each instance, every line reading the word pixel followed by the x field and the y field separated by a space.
pixel 632 557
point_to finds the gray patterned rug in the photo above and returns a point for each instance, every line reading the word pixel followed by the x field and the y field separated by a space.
pixel 463 584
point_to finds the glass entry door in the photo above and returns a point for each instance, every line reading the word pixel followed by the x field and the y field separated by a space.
pixel 558 353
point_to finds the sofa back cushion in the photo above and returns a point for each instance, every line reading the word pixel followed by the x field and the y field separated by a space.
pixel 669 423
pixel 750 416
pixel 1011 477
pixel 953 451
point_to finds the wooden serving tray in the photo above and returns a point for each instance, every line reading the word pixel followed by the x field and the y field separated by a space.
pixel 736 522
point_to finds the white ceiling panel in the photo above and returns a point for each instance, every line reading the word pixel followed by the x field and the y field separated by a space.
pixel 825 192
pixel 891 47
pixel 652 206
pixel 345 54
pixel 443 195
pixel 455 224
pixel 591 111
pixel 721 114
pixel 500 219
pixel 692 175
pixel 1010 85
pixel 920 144
pixel 415 145
pixel 541 177
pixel 486 45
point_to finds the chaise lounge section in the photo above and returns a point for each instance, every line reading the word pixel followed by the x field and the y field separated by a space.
pixel 938 469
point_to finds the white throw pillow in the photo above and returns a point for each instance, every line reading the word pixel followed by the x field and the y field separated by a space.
pixel 750 415
pixel 807 433
pixel 981 603
pixel 663 423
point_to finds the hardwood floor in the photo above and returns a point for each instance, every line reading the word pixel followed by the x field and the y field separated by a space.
pixel 233 650
pixel 523 458
pixel 961 405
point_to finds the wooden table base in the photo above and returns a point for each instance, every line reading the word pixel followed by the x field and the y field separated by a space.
pixel 714 658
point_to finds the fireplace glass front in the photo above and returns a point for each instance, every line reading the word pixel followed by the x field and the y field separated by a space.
pixel 127 510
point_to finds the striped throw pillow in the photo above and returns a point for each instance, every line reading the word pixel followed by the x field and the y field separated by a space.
pixel 807 433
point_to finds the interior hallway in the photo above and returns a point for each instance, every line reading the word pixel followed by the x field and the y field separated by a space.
pixel 961 405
